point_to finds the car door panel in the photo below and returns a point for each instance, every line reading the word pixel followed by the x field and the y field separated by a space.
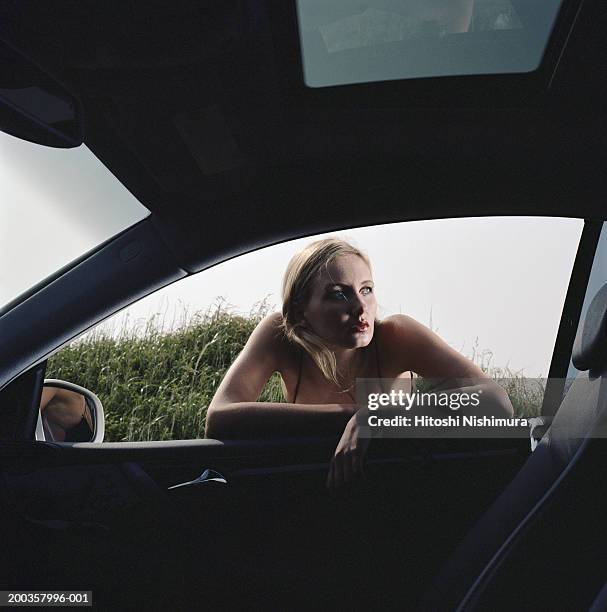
pixel 274 516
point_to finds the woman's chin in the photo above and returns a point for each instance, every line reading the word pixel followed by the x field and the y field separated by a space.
pixel 360 339
pixel 351 341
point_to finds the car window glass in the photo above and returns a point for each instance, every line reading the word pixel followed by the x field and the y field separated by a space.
pixel 492 288
pixel 55 206
pixel 353 42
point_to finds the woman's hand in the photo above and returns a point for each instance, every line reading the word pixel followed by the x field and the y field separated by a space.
pixel 348 461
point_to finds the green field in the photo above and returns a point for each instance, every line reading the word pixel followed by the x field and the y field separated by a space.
pixel 156 384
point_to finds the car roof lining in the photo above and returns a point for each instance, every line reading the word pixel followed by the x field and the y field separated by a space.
pixel 299 161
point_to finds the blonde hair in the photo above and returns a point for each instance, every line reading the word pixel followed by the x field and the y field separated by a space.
pixel 301 272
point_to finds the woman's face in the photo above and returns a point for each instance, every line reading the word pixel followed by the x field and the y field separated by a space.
pixel 341 307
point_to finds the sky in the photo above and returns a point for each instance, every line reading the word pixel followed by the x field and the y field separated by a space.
pixel 495 284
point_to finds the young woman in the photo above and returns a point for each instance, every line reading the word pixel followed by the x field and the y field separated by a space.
pixel 326 337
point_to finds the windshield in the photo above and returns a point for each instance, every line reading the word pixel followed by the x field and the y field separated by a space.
pixel 55 206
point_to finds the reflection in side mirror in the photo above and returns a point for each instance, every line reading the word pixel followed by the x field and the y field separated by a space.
pixel 69 413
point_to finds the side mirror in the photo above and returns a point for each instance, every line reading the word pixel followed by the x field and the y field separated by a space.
pixel 69 413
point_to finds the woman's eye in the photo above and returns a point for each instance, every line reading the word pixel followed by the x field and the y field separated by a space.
pixel 338 295
pixel 366 290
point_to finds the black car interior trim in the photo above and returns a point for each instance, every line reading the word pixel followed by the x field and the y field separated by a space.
pixel 570 317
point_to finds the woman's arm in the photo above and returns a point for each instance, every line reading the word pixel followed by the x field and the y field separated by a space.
pixel 234 411
pixel 266 419
pixel 62 410
pixel 62 407
pixel 430 356
pixel 409 345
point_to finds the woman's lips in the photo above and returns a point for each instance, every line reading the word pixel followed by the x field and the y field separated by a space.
pixel 361 327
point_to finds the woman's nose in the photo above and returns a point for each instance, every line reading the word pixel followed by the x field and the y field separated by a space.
pixel 358 306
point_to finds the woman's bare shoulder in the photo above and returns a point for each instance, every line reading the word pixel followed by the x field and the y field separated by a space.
pixel 400 339
pixel 401 330
pixel 270 335
pixel 271 323
pixel 416 347
pixel 395 326
pixel 271 326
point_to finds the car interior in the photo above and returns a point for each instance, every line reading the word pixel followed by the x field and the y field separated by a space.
pixel 209 115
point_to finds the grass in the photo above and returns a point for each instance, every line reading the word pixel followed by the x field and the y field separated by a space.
pixel 156 382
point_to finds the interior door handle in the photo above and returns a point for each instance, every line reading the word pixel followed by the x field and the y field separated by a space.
pixel 204 478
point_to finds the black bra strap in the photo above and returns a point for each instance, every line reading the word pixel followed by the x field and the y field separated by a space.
pixel 375 342
pixel 298 375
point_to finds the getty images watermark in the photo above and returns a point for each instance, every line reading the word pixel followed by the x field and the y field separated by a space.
pixel 452 408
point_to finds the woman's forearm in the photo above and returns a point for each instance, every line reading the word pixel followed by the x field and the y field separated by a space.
pixel 243 420
pixel 264 419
